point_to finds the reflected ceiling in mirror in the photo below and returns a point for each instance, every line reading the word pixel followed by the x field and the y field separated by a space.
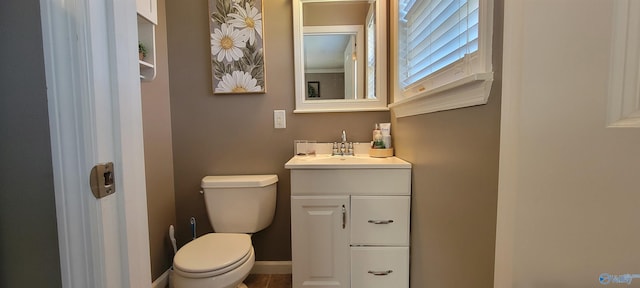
pixel 325 52
pixel 340 51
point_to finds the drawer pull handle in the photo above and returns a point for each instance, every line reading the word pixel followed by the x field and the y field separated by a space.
pixel 380 273
pixel 380 221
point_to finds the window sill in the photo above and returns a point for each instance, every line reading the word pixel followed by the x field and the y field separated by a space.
pixel 469 91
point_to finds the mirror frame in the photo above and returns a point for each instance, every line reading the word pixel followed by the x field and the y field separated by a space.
pixel 341 105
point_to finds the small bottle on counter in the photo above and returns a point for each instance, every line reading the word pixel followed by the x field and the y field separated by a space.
pixel 376 129
pixel 377 139
pixel 385 129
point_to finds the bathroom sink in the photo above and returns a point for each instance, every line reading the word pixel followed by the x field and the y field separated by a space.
pixel 327 161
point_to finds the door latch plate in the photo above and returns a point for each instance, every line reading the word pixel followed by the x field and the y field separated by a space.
pixel 102 180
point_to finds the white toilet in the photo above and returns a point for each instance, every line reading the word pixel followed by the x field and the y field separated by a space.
pixel 237 206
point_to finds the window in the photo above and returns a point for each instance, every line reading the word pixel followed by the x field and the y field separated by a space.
pixel 434 34
pixel 442 51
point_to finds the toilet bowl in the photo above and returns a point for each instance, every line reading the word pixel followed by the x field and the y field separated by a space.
pixel 221 260
pixel 236 205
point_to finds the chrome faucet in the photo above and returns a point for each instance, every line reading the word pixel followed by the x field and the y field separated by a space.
pixel 345 148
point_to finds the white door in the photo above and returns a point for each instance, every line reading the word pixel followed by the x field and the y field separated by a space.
pixel 350 69
pixel 320 241
pixel 95 116
pixel 569 196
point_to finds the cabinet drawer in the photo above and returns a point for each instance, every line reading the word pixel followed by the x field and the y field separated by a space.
pixel 380 220
pixel 379 267
pixel 383 182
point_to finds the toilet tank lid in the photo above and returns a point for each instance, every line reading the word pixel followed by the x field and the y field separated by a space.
pixel 237 181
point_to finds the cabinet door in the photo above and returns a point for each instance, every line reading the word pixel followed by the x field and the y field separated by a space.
pixel 320 241
pixel 148 9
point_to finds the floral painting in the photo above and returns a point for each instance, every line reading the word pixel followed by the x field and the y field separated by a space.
pixel 237 54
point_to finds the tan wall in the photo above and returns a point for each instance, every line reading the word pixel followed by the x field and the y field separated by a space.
pixel 234 134
pixel 455 176
pixel 158 155
pixel 335 13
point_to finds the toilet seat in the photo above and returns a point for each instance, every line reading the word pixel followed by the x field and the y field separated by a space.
pixel 213 254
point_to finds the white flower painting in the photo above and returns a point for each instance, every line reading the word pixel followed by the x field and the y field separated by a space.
pixel 237 46
pixel 249 20
pixel 226 43
pixel 238 82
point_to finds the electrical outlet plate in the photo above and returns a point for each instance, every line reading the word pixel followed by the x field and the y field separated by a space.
pixel 279 119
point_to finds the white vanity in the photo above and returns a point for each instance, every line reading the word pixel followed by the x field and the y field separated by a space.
pixel 350 218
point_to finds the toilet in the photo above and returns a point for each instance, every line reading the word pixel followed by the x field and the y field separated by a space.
pixel 237 206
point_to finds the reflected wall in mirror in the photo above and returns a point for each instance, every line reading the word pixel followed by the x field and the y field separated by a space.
pixel 340 45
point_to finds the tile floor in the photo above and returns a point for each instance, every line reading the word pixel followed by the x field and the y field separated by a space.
pixel 268 281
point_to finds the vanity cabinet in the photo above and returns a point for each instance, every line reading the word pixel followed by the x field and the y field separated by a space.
pixel 350 226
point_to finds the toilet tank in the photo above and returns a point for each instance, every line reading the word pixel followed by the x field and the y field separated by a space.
pixel 240 203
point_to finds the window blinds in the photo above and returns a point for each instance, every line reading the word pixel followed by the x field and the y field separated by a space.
pixel 434 34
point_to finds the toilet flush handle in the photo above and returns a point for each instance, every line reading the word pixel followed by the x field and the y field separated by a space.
pixel 193 227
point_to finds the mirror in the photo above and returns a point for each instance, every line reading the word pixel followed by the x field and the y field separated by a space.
pixel 340 55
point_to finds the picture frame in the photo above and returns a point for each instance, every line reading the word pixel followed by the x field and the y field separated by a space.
pixel 313 89
pixel 237 46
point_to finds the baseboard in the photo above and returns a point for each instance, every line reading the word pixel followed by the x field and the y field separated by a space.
pixel 271 267
pixel 162 281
